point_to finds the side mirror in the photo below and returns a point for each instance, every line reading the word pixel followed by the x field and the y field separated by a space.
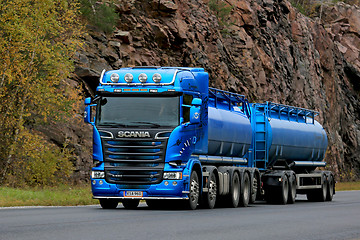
pixel 87 112
pixel 88 101
pixel 196 102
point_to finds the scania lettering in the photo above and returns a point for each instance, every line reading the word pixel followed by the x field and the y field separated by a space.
pixel 127 134
pixel 162 135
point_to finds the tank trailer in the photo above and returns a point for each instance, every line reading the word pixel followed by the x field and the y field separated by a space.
pixel 161 134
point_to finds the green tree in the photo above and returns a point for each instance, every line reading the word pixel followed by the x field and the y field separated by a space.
pixel 37 41
pixel 100 13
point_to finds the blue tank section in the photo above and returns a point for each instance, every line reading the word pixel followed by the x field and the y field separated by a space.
pixel 229 133
pixel 229 128
pixel 290 134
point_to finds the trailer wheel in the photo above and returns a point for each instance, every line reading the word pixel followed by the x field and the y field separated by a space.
pixel 130 203
pixel 255 188
pixel 245 194
pixel 330 191
pixel 108 203
pixel 234 191
pixel 292 189
pixel 319 195
pixel 284 191
pixel 193 200
pixel 209 198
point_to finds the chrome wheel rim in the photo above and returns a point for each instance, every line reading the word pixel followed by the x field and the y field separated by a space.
pixel 194 190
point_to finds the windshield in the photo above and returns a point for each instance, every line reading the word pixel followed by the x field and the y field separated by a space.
pixel 138 111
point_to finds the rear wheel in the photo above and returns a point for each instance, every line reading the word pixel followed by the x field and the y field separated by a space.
pixel 284 191
pixel 319 195
pixel 130 203
pixel 330 190
pixel 292 189
pixel 193 200
pixel 234 191
pixel 108 203
pixel 209 198
pixel 254 192
pixel 245 194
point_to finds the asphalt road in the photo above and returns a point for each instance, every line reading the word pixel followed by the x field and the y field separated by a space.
pixel 339 219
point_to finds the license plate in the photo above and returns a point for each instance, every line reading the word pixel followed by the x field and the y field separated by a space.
pixel 133 194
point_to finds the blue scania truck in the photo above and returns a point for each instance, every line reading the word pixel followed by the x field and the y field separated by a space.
pixel 161 134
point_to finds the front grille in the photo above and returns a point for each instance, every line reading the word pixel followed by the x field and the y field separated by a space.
pixel 134 161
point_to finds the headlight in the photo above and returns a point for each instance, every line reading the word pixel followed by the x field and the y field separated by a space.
pixel 142 77
pixel 156 78
pixel 114 77
pixel 128 77
pixel 97 174
pixel 173 175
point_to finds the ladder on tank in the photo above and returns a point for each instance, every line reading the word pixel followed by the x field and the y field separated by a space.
pixel 260 117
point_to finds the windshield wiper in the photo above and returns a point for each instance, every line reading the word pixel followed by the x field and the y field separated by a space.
pixel 113 124
pixel 149 123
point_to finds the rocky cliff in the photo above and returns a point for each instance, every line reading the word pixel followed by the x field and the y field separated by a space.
pixel 264 49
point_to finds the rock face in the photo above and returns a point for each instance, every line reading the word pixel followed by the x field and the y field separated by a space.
pixel 267 51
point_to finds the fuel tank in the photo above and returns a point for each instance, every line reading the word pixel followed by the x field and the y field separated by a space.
pixel 229 131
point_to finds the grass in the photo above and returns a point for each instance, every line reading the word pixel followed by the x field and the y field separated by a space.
pixel 346 186
pixel 78 195
pixel 56 196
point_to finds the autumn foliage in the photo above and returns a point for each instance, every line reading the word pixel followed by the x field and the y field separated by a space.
pixel 37 41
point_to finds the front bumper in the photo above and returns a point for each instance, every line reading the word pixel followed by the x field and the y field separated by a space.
pixel 167 189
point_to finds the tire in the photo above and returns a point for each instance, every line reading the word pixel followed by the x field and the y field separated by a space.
pixel 283 194
pixel 255 188
pixel 319 195
pixel 130 203
pixel 246 190
pixel 194 194
pixel 234 191
pixel 292 189
pixel 108 203
pixel 209 198
pixel 330 190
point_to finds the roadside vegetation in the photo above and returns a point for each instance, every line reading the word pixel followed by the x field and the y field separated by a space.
pixel 56 196
pixel 79 195
pixel 38 39
pixel 347 186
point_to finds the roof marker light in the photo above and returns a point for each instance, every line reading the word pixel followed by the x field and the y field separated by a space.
pixel 128 77
pixel 114 77
pixel 142 77
pixel 156 78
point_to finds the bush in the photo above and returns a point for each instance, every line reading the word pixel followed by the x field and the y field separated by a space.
pixel 222 11
pixel 100 13
pixel 42 164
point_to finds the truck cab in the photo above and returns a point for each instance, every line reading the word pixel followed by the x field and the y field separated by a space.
pixel 147 122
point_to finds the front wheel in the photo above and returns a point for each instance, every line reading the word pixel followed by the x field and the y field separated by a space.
pixel 193 200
